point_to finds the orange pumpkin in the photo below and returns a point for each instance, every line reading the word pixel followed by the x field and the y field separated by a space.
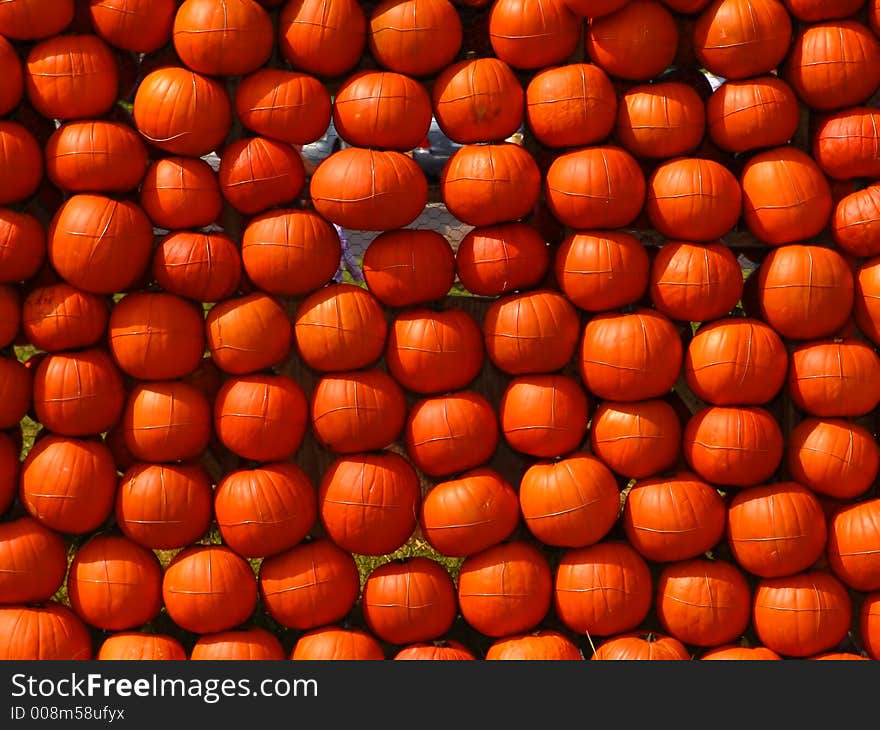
pixel 50 632
pixel 142 26
pixel 12 86
pixel 31 19
pixel 248 334
pixel 9 469
pixel 495 260
pixel 22 245
pixel 323 37
pixel 33 561
pixel 540 645
pixel 852 540
pixel 814 11
pixel 638 647
pixel 333 643
pixel 661 120
pixel 10 315
pixel 866 300
pixel 181 192
pixel 439 650
pixel 16 391
pixel 205 267
pixel 249 644
pixel 533 35
pixel 60 317
pixel 869 625
pixel 134 646
pixel 855 223
pixel 734 652
pixel 258 173
pixel 21 163
pixel 847 144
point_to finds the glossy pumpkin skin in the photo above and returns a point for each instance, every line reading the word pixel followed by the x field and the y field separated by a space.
pixel 629 647
pixel 32 19
pixel 248 334
pixel 114 584
pixel 16 391
pixel 164 506
pixel 496 260
pixel 694 282
pixel 805 292
pixel 595 8
pixel 408 267
pixel 733 652
pixel 869 624
pixel 325 39
pixel 506 589
pixel 22 245
pixel 61 317
pixel 313 584
pixel 776 530
pixel 570 106
pixel 290 252
pixel 207 589
pixel 844 144
pixel 865 307
pixel 733 446
pixel 33 561
pixel 181 192
pixel 259 173
pixel 135 646
pixel 661 120
pixel 540 645
pixel 357 411
pixel 484 185
pixel 446 435
pixel 68 484
pixel 852 540
pixel 21 162
pixel 630 357
pixel 674 518
pixel 855 222
pixel 437 651
pixel 582 598
pixel 572 502
pixel 142 26
pixel 250 644
pixel 736 362
pixel 204 267
pixel 801 615
pixel 51 632
pixel 739 39
pixel 332 643
pixel 408 601
pixel 369 503
pixel 533 35
pixel 469 514
pixel 266 510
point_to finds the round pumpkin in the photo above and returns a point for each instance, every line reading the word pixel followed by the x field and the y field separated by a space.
pixel 409 266
pixel 31 19
pixel 673 518
pixel 310 585
pixel 114 584
pixel 68 484
pixel 369 190
pixel 572 502
pixel 805 292
pixel 747 653
pixel 340 327
pixel 16 391
pixel 439 650
pixel 182 112
pixel 636 440
pixel 739 39
pixel 156 336
pixel 814 11
pixel 595 188
pixel 869 625
pixel 208 588
pixel 505 589
pixel 484 185
pixel 12 85
pixel 135 646
pixel 533 35
pixel 846 144
pixel 539 645
pixel 250 644
pixel 603 589
pixel 852 541
pixel 248 334
pixel 801 615
pixel 739 447
pixel 181 192
pixel 290 252
pixel 323 37
pixel 259 173
pixel 736 362
pixel 477 100
pixel 33 561
pixel 333 643
pixel 141 26
pixel 410 600
pixel 205 267
pixel 495 260
pixel 98 244
pixel 369 503
pixel 637 42
pixel 452 433
pixel 855 222
pixel 659 121
pixel 21 163
pixel 594 8
pixel 703 602
pixel 289 106
pixel 22 245
pixel 223 37
pixel 78 393
pixel 164 506
pixel 866 300
pixel 357 411
pixel 50 632
pixel 166 420
pixel 469 514
pixel 639 647
pixel 630 357
pixel 60 317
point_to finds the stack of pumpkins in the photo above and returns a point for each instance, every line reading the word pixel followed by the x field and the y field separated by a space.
pixel 621 446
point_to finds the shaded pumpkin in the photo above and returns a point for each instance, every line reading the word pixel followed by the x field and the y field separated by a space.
pixel 258 173
pixel 734 652
pixel 662 120
pixel 136 646
pixel 320 37
pixel 60 317
pixel 16 391
pixel 437 651
pixel 49 632
pixel 33 561
pixel 142 26
pixel 33 19
pixel 334 643
pixel 495 260
pixel 205 267
pixel 530 35
pixel 852 545
pixel 22 245
pixel 846 145
pixel 181 192
pixel 252 643
pixel 539 645
pixel 630 647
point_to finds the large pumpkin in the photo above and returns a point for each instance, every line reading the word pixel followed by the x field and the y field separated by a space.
pixel 436 651
pixel 68 484
pixel 22 245
pixel 252 643
pixel 208 588
pixel 50 632
pixel 469 514
pixel 21 163
pixel 156 336
pixel 114 584
pixel 258 173
pixel 595 188
pixel 539 645
pixel 532 35
pixel 357 411
pixel 638 439
pixel 814 11
pixel 846 144
pixel 572 502
pixel 182 112
pixel 323 37
pixel 869 624
pixel 673 518
pixel 661 120
pixel 630 357
pixel 449 434
pixel 261 417
pixel 248 334
pixel 12 86
pixel 181 192
pixel 33 561
pixel 205 267
pixel 414 37
pixel 642 647
pixel 733 446
pixel 16 391
pixel 136 646
pixel 506 589
pixel 31 19
pixel 340 327
pixel 369 503
pixel 334 643
pixel 604 589
pixel 310 585
pixel 853 533
pixel 142 26
pixel 410 600
pixel 164 506
pixel 495 260
pixel 60 317
pixel 734 652
pixel 736 362
pixel 483 185
pixel 369 190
